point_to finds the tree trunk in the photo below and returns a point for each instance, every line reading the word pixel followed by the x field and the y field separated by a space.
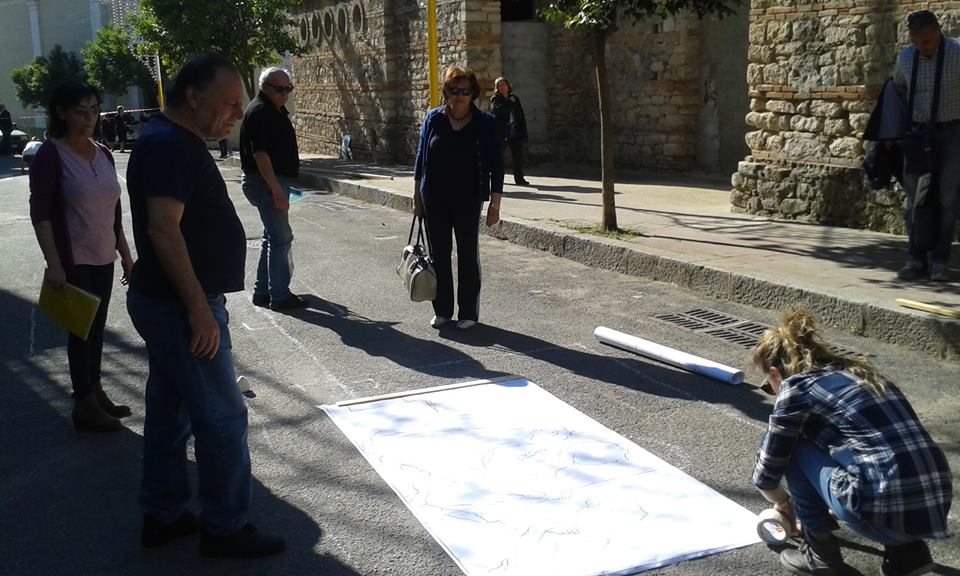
pixel 249 82
pixel 599 43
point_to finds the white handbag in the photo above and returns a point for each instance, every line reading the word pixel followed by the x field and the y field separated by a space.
pixel 416 268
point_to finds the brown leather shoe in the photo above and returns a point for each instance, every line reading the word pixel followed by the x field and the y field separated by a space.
pixel 107 405
pixel 88 415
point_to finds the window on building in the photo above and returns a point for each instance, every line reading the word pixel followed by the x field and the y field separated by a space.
pixel 516 10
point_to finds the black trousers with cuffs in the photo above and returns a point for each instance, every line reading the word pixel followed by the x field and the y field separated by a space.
pixel 516 152
pixel 459 217
pixel 85 355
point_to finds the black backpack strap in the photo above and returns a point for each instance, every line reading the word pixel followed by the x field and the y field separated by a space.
pixel 935 104
pixel 934 107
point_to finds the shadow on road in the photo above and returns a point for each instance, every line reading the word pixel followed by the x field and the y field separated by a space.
pixel 69 499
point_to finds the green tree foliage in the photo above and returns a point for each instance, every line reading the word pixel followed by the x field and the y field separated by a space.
pixel 252 33
pixel 599 19
pixel 35 81
pixel 111 65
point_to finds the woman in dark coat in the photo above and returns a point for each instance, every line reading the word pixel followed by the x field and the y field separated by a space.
pixel 511 125
pixel 459 167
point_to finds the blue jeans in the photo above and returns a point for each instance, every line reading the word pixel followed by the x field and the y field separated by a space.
pixel 948 191
pixel 276 262
pixel 187 395
pixel 808 477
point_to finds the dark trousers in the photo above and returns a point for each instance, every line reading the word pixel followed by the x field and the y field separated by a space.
pixel 458 217
pixel 5 144
pixel 224 147
pixel 84 355
pixel 516 151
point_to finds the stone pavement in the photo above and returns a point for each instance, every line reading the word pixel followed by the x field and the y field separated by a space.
pixel 688 236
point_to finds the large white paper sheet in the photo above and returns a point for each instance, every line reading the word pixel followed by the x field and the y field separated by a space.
pixel 510 480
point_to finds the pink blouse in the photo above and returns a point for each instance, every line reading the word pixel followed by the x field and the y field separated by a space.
pixel 90 192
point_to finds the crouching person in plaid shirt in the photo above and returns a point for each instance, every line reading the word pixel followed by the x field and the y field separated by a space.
pixel 847 441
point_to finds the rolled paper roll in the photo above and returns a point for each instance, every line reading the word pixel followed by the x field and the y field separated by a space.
pixel 702 366
pixel 773 527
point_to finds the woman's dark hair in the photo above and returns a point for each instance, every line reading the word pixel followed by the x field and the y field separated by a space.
pixel 198 73
pixel 65 96
pixel 455 74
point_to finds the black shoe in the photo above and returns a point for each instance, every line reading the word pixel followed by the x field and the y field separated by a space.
pixel 246 543
pixel 912 270
pixel 157 534
pixel 289 303
pixel 912 559
pixel 261 300
pixel 816 556
pixel 521 182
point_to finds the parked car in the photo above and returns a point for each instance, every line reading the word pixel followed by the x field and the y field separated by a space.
pixel 29 151
pixel 18 139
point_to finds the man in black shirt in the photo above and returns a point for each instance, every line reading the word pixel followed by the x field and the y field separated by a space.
pixel 269 159
pixel 192 249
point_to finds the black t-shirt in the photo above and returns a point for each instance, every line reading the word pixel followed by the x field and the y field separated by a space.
pixel 168 160
pixel 454 161
pixel 265 128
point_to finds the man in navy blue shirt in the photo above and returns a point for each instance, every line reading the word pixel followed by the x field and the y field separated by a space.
pixel 192 249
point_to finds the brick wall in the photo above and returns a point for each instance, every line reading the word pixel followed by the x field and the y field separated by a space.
pixel 654 75
pixel 814 70
pixel 365 70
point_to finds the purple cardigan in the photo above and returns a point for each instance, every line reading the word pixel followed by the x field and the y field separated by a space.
pixel 47 202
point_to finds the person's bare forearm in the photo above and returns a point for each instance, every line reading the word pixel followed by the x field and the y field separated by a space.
pixel 171 251
pixel 265 167
pixel 44 232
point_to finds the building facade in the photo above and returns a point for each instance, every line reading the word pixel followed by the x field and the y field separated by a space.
pixel 31 28
pixel 677 102
pixel 814 71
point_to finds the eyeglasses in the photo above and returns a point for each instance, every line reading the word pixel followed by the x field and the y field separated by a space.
pixel 459 92
pixel 281 89
pixel 85 112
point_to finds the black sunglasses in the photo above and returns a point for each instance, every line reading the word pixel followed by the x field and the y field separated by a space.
pixel 280 89
pixel 459 92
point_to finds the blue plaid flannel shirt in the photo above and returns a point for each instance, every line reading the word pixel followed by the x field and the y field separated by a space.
pixel 898 477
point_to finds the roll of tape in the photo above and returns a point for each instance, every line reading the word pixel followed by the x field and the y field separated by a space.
pixel 773 527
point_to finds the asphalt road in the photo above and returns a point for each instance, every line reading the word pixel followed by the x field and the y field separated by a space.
pixel 68 500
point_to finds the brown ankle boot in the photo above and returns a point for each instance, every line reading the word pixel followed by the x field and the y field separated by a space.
pixel 87 415
pixel 107 405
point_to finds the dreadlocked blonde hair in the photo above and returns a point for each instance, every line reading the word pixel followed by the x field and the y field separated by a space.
pixel 795 347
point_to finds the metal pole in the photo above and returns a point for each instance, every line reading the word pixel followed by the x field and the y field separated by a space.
pixel 159 80
pixel 433 55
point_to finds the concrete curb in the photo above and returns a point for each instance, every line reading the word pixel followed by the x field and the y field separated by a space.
pixel 920 332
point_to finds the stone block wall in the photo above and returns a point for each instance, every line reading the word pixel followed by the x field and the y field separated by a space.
pixel 654 74
pixel 814 71
pixel 364 72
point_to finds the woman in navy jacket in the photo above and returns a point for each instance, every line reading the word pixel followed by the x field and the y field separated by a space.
pixel 459 167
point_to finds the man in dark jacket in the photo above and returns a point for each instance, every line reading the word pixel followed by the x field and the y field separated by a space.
pixel 6 128
pixel 511 125
pixel 931 170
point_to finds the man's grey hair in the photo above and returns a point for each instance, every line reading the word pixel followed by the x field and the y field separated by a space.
pixel 268 72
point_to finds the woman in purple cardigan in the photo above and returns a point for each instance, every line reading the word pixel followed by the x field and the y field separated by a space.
pixel 75 209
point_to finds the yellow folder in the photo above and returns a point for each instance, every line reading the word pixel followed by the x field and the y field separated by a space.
pixel 73 309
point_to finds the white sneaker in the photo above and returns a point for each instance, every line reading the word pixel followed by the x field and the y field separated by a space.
pixel 466 324
pixel 438 321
